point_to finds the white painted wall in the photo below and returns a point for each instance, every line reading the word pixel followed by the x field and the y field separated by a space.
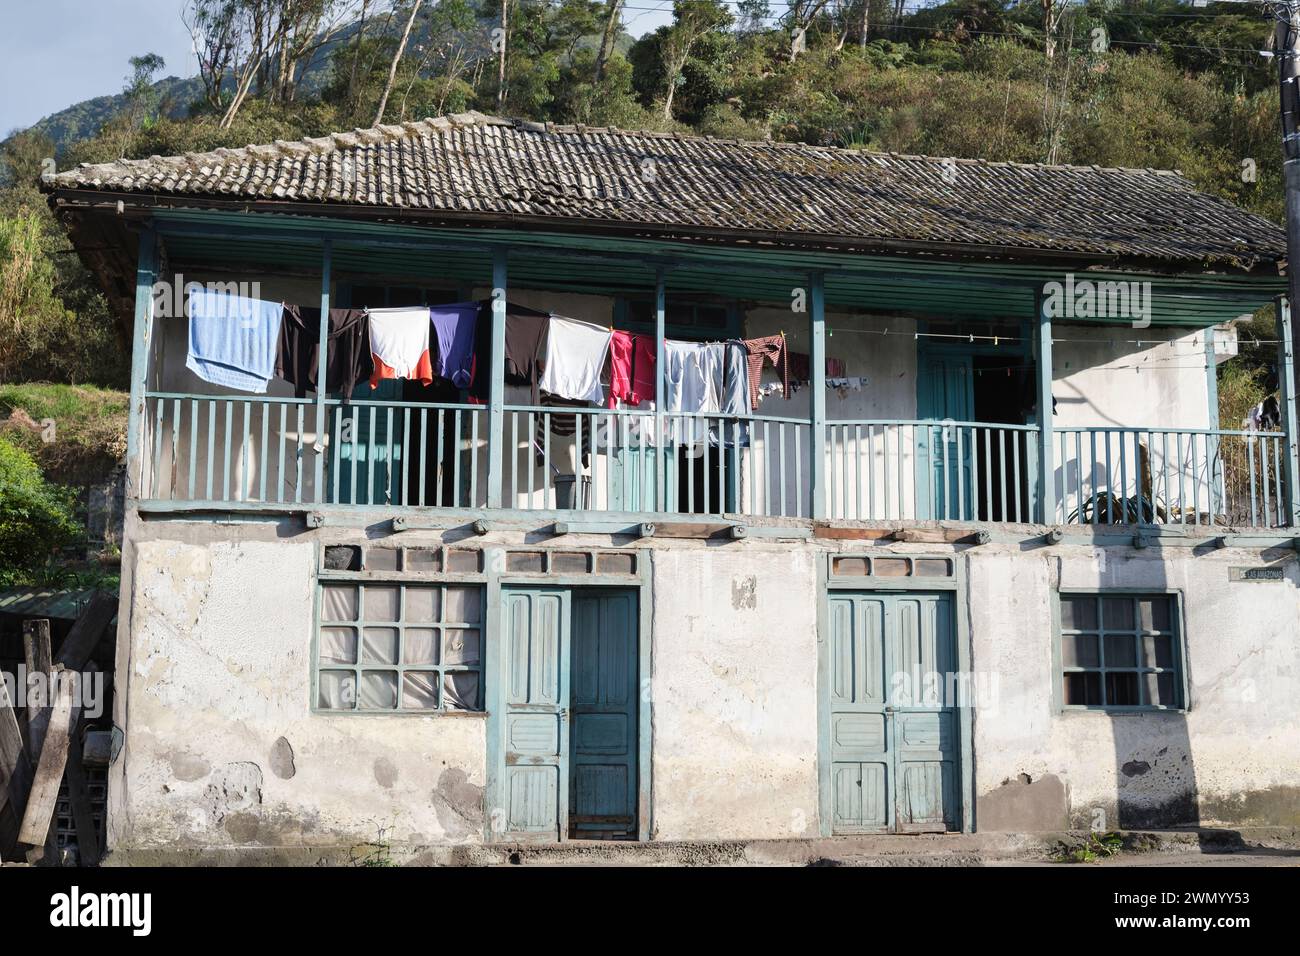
pixel 735 667
pixel 213 678
pixel 214 665
pixel 1237 746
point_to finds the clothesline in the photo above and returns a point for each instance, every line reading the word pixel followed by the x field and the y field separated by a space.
pixel 1056 340
pixel 244 343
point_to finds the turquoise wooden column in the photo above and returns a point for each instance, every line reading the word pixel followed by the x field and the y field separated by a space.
pixel 1211 379
pixel 1212 414
pixel 1046 464
pixel 1287 407
pixel 146 273
pixel 497 385
pixel 661 369
pixel 322 363
pixel 817 404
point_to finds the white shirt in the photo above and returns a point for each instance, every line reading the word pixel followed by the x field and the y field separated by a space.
pixel 575 357
pixel 400 339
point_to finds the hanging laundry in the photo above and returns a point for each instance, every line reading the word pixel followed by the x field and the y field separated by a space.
pixel 233 339
pixel 693 376
pixel 575 358
pixel 735 393
pixel 631 369
pixel 735 379
pixel 525 339
pixel 772 350
pixel 347 356
pixel 562 426
pixel 801 367
pixel 693 384
pixel 453 330
pixel 399 343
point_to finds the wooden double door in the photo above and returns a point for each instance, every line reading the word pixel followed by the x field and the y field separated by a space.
pixel 567 726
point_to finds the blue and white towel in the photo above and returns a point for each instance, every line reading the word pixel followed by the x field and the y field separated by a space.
pixel 233 339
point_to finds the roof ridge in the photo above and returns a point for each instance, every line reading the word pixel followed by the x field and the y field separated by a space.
pixel 389 132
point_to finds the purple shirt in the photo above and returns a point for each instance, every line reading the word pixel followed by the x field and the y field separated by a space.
pixel 453 330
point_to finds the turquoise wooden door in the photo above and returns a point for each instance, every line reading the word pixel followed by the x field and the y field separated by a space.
pixel 893 725
pixel 603 744
pixel 943 455
pixel 533 726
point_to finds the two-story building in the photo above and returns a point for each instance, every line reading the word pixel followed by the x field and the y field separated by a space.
pixel 922 517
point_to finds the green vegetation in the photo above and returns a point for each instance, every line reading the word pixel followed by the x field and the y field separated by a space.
pixel 1097 847
pixel 89 428
pixel 36 519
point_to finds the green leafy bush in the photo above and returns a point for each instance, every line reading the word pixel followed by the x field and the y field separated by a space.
pixel 36 517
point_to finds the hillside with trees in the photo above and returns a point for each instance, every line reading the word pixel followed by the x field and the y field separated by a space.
pixel 1119 83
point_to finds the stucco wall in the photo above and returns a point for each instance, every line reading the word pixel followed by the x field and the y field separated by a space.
pixel 221 747
pixel 1233 757
pixel 735 666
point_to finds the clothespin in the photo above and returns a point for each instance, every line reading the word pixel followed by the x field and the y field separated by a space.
pixel 995 340
pixel 972 338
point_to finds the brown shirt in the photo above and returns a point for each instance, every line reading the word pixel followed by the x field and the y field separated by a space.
pixel 347 358
pixel 525 339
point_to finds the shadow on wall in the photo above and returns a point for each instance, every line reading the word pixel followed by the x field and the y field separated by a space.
pixel 1155 772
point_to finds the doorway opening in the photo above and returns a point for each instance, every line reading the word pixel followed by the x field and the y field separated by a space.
pixel 568 723
pixel 1004 392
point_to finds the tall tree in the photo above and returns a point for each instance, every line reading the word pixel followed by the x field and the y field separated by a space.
pixel 503 41
pixel 692 19
pixel 397 58
pixel 141 97
pixel 1053 10
pixel 612 24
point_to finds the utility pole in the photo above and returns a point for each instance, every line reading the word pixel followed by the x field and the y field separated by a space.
pixel 1287 49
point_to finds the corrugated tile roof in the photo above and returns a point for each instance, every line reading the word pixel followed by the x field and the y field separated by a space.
pixel 44 602
pixel 475 166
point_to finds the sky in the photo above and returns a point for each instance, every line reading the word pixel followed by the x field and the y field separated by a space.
pixel 54 53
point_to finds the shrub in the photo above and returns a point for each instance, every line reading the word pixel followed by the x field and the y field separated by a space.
pixel 36 517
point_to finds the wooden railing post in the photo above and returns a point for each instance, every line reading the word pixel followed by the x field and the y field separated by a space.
pixel 1212 418
pixel 497 384
pixel 1287 407
pixel 322 384
pixel 1046 464
pixel 146 274
pixel 817 403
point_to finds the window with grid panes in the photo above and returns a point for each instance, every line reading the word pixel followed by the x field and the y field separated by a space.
pixel 399 648
pixel 1120 651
